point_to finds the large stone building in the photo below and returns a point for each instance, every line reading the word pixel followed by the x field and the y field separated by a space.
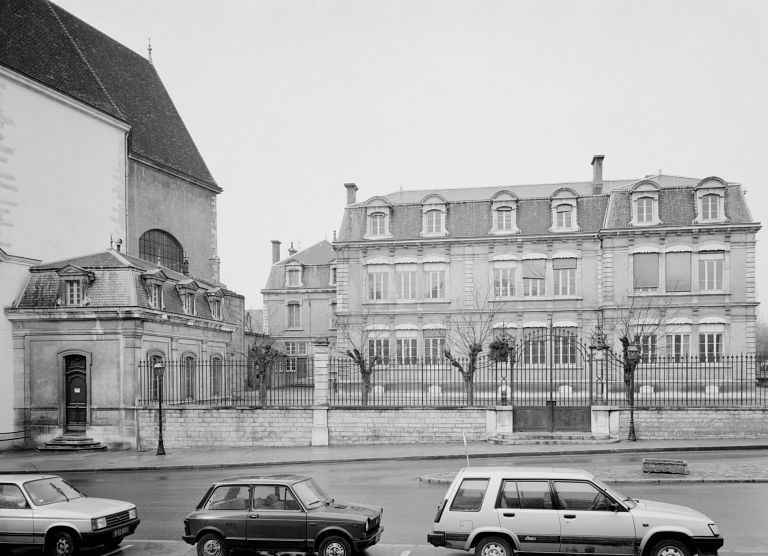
pixel 412 264
pixel 93 155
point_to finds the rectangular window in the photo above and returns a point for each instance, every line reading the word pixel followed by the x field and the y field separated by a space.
pixel 333 276
pixel 332 316
pixel 377 285
pixel 406 351
pixel 435 284
pixel 294 278
pixel 216 377
pixel 535 351
pixel 215 308
pixel 379 347
pixel 406 284
pixel 504 219
pixel 73 292
pixel 709 207
pixel 190 380
pixel 156 296
pixel 434 221
pixel 433 350
pixel 711 271
pixel 564 216
pixel 533 278
pixel 648 348
pixel 564 348
pixel 294 315
pixel 646 271
pixel 564 276
pixel 710 347
pixel 188 302
pixel 678 346
pixel 504 282
pixel 645 209
pixel 678 272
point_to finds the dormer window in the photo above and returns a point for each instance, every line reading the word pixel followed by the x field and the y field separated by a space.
pixel 74 283
pixel 378 212
pixel 293 277
pixel 187 290
pixel 710 201
pixel 644 198
pixel 434 209
pixel 563 204
pixel 153 283
pixel 504 213
pixel 214 302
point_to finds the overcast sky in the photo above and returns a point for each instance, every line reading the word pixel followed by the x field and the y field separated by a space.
pixel 288 100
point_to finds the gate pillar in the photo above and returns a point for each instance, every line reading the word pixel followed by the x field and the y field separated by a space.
pixel 605 420
pixel 320 399
pixel 500 420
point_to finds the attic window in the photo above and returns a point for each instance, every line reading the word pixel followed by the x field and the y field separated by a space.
pixel 187 290
pixel 434 211
pixel 153 283
pixel 156 296
pixel 645 204
pixel 378 213
pixel 504 213
pixel 710 201
pixel 563 205
pixel 214 302
pixel 293 277
pixel 73 292
pixel 74 284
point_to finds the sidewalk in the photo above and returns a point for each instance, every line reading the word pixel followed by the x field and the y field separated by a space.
pixel 756 470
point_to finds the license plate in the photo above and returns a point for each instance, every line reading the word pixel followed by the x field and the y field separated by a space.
pixel 123 531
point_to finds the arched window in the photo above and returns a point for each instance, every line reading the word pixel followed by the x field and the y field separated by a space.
pixel 216 375
pixel 710 205
pixel 504 219
pixel 154 381
pixel 189 376
pixel 157 246
pixel 378 224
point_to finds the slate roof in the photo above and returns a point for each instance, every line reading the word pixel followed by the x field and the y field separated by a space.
pixel 469 209
pixel 51 46
pixel 316 262
pixel 118 283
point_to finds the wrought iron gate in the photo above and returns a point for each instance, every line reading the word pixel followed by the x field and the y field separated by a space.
pixel 551 381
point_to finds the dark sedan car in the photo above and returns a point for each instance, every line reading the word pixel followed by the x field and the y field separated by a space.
pixel 279 513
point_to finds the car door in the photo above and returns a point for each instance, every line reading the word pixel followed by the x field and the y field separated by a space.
pixel 227 511
pixel 17 523
pixel 591 522
pixel 276 520
pixel 525 508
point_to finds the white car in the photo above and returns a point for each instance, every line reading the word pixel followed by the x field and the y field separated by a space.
pixel 48 512
pixel 498 511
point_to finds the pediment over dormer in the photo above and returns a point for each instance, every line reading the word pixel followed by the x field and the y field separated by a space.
pixel 72 271
pixel 189 285
pixel 564 193
pixel 155 274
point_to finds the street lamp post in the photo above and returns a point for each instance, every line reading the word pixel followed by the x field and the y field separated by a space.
pixel 159 369
pixel 633 356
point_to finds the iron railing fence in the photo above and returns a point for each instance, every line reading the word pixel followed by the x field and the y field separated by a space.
pixel 232 382
pixel 682 382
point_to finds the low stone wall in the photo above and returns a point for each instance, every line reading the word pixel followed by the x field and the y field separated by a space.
pixel 405 426
pixel 695 423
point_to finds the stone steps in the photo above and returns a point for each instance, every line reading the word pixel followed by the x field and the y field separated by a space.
pixel 519 438
pixel 72 443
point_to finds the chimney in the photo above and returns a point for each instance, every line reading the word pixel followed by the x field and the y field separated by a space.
pixel 291 250
pixel 351 190
pixel 119 244
pixel 597 174
pixel 275 251
pixel 185 265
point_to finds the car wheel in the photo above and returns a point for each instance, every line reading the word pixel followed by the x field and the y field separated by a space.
pixel 670 547
pixel 493 546
pixel 212 545
pixel 61 543
pixel 334 546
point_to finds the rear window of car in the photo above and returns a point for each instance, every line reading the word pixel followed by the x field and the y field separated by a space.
pixel 469 496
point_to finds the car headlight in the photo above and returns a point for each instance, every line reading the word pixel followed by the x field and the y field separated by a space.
pixel 132 513
pixel 714 529
pixel 98 523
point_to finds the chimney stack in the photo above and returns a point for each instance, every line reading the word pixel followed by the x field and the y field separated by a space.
pixel 597 174
pixel 291 250
pixel 351 193
pixel 275 251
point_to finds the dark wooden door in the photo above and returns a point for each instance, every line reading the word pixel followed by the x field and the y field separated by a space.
pixel 76 388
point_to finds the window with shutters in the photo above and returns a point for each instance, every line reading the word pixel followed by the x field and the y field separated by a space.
pixel 533 278
pixel 645 271
pixel 564 276
pixel 678 272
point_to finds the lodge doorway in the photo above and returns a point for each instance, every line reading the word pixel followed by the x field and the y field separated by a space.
pixel 76 394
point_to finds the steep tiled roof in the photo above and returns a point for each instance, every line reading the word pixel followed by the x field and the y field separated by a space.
pixel 50 45
pixel 316 264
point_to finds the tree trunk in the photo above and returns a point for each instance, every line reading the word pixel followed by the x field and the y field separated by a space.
pixel 365 374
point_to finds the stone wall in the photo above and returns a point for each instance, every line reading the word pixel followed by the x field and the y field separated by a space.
pixel 696 423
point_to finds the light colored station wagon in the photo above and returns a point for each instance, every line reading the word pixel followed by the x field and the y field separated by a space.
pixel 498 511
pixel 48 512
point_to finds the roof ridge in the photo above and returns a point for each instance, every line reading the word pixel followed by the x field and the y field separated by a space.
pixel 85 60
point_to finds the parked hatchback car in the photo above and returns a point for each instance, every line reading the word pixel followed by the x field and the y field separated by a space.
pixel 279 513
pixel 49 512
pixel 498 510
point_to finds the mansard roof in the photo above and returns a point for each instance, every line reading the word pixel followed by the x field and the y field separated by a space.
pixel 118 282
pixel 470 208
pixel 316 262
pixel 48 44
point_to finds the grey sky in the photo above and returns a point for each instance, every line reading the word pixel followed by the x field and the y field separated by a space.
pixel 287 100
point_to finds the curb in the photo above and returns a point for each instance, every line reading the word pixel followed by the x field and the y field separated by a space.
pixel 420 457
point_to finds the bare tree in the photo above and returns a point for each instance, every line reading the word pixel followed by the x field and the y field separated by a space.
pixel 469 332
pixel 263 356
pixel 355 331
pixel 761 338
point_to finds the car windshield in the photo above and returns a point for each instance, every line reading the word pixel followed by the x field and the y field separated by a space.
pixel 310 493
pixel 616 494
pixel 51 490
